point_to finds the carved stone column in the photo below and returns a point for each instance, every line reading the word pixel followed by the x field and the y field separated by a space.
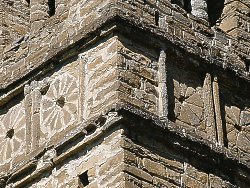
pixel 209 111
pixel 28 105
pixel 35 118
pixel 163 107
pixel 217 111
pixel 82 62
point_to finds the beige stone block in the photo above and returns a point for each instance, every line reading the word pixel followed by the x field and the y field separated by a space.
pixel 92 173
pixel 95 63
pixel 87 164
pixel 154 167
pixel 110 163
pixel 137 172
pixel 192 183
pixel 229 23
pixel 196 174
pixel 158 182
pixel 62 177
pixel 173 175
pixel 118 182
pixel 243 141
pixel 146 184
pixel 130 158
pixel 215 182
pixel 131 181
pixel 93 185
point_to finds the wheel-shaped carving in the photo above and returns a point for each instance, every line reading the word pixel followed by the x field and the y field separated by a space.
pixel 59 105
pixel 12 133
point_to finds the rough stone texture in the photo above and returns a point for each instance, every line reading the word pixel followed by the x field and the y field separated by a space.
pixel 14 21
pixel 199 8
pixel 117 93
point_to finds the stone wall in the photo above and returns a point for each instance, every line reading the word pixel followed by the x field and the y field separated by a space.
pixel 59 32
pixel 102 165
pixel 85 91
pixel 151 161
pixel 235 19
pixel 14 21
pixel 77 88
pixel 129 151
pixel 58 102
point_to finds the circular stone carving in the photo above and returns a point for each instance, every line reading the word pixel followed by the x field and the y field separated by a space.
pixel 12 133
pixel 59 104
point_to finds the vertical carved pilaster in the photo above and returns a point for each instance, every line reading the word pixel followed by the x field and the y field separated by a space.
pixel 81 79
pixel 28 104
pixel 35 118
pixel 162 78
pixel 217 111
pixel 209 108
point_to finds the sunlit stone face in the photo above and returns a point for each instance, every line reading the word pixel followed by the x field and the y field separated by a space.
pixel 12 133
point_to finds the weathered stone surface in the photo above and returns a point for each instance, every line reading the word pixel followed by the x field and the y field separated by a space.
pixel 117 93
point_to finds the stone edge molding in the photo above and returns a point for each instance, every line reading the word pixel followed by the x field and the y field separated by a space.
pixel 121 117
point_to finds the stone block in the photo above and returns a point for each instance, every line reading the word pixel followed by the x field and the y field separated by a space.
pixel 196 174
pixel 110 163
pixel 130 158
pixel 192 183
pixel 158 182
pixel 137 172
pixel 131 181
pixel 153 167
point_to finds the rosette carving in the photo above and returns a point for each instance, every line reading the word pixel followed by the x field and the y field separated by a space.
pixel 12 133
pixel 59 104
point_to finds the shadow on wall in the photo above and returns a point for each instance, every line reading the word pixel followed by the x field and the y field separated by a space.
pixel 235 111
pixel 185 95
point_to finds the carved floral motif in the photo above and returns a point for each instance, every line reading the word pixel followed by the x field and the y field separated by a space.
pixel 12 133
pixel 59 104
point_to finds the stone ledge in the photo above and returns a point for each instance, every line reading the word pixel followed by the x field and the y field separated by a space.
pixel 135 118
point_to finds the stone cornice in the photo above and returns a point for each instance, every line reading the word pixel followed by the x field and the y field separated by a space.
pixel 216 158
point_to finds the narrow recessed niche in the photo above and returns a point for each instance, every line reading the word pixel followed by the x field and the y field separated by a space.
pixel 10 133
pixel 157 17
pixel 187 6
pixel 214 10
pixel 182 99
pixel 83 179
pixel 60 101
pixel 247 62
pixel 44 90
pixel 52 7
